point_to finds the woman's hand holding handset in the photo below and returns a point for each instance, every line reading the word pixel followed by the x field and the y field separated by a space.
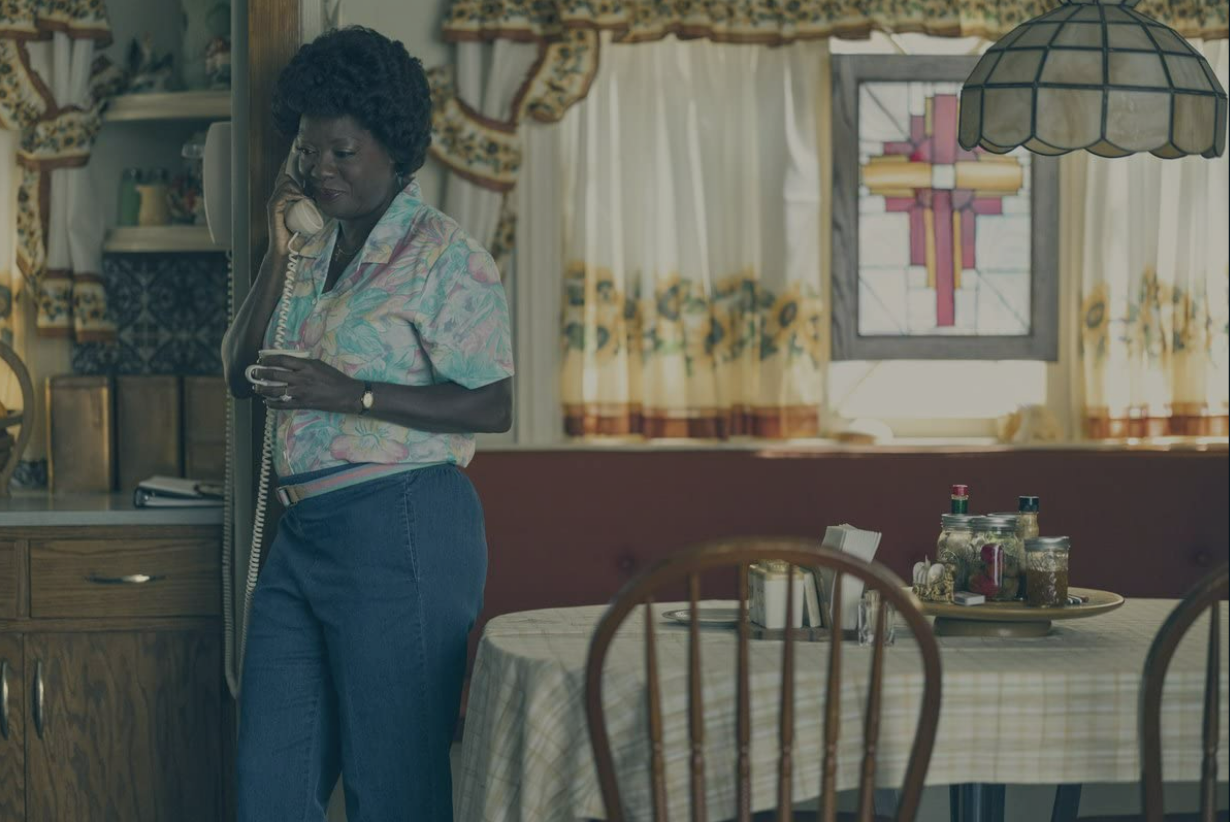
pixel 290 211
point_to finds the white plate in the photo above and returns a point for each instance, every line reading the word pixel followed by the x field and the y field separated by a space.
pixel 705 616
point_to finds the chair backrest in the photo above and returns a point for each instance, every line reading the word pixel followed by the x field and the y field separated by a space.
pixel 1205 596
pixel 738 554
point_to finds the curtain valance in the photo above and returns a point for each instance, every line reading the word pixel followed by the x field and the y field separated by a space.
pixel 567 35
pixel 776 22
pixel 39 19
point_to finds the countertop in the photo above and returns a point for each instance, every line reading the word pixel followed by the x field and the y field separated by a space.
pixel 25 509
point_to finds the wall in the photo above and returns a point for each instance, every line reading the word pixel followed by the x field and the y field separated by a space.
pixel 417 25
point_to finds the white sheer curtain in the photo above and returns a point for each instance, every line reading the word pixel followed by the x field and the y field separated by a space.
pixel 1154 292
pixel 691 187
pixel 487 78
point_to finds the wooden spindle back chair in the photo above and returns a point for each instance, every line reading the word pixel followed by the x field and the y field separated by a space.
pixel 686 566
pixel 1206 596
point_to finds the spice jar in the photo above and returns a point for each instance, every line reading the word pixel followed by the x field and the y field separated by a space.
pixel 953 547
pixel 1027 517
pixel 1046 571
pixel 986 574
pixel 130 198
pixel 997 529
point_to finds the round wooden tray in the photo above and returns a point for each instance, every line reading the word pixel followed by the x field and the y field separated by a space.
pixel 1015 619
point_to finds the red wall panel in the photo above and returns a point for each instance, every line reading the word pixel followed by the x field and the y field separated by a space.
pixel 570 527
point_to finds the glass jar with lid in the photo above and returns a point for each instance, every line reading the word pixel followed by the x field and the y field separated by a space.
pixel 997 529
pixel 953 548
pixel 1046 571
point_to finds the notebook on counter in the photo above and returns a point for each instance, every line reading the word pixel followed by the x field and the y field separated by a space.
pixel 177 492
pixel 858 543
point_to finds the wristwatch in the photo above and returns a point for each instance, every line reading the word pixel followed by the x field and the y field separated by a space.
pixel 365 401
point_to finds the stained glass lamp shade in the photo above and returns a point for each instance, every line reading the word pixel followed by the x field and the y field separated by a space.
pixel 1095 75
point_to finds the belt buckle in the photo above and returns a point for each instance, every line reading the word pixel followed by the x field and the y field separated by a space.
pixel 286 497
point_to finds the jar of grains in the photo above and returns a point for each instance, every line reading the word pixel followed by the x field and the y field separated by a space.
pixel 1046 571
pixel 953 547
pixel 994 529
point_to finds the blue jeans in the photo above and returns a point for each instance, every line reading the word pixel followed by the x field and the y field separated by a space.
pixel 357 650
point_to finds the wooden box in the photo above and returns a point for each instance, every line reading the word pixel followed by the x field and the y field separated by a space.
pixel 204 428
pixel 147 418
pixel 80 434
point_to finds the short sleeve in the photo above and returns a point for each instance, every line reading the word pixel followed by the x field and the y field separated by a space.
pixel 462 317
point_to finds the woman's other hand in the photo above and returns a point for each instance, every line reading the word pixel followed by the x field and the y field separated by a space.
pixel 308 384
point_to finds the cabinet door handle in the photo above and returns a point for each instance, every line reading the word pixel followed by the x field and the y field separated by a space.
pixel 40 718
pixel 4 698
pixel 127 579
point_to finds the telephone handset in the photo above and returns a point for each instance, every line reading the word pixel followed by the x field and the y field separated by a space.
pixel 303 220
pixel 302 217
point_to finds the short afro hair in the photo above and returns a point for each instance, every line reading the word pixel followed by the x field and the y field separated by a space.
pixel 359 72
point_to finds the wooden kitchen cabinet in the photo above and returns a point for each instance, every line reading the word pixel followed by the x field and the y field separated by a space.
pixel 111 644
pixel 12 729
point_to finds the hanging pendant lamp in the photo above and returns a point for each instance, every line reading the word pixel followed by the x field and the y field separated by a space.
pixel 1095 75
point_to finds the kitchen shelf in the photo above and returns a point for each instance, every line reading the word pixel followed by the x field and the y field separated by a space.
pixel 170 105
pixel 168 238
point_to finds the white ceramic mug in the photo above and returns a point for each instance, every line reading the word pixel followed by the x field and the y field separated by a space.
pixel 272 352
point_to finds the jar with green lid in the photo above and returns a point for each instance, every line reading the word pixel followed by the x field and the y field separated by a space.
pixel 1046 571
pixel 953 548
pixel 998 529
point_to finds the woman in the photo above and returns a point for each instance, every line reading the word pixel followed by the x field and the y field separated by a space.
pixel 357 637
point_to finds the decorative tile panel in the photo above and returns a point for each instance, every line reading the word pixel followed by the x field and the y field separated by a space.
pixel 170 311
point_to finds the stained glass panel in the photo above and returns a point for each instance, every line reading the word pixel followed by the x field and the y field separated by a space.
pixel 944 233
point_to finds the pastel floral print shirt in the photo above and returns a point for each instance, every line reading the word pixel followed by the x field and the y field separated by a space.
pixel 421 304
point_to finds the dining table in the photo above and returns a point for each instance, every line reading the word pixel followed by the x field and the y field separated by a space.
pixel 1049 710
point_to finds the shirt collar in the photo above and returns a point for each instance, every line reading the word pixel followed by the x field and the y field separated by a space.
pixel 384 236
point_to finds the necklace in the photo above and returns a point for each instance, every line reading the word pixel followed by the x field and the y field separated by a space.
pixel 340 253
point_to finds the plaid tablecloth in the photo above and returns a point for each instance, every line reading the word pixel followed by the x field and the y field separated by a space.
pixel 1061 708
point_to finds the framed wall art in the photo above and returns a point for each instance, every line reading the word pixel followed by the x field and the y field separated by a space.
pixel 938 252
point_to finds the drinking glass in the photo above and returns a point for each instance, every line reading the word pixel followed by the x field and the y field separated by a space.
pixel 867 608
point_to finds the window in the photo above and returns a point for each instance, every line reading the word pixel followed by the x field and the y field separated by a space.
pixel 960 393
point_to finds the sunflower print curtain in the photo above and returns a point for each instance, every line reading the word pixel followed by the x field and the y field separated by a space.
pixel 1155 310
pixel 691 303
